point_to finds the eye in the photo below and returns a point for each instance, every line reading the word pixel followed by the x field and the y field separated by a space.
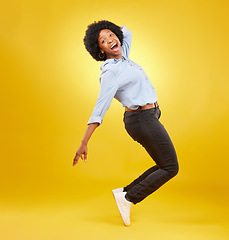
pixel 103 41
pixel 111 34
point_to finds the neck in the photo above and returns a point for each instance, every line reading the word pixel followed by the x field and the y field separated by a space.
pixel 115 57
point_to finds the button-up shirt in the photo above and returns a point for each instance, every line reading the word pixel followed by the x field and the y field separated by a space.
pixel 123 80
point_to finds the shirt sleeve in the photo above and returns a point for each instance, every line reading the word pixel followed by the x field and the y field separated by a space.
pixel 108 89
pixel 127 39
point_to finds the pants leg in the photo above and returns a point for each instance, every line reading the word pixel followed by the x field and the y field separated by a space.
pixel 141 178
pixel 145 128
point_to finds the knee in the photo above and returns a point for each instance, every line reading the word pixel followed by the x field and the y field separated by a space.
pixel 174 169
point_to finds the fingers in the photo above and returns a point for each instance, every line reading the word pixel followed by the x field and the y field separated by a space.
pixel 85 157
pixel 76 159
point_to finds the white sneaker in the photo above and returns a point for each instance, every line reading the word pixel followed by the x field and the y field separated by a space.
pixel 117 190
pixel 123 206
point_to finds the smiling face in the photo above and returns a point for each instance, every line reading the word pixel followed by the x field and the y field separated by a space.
pixel 110 44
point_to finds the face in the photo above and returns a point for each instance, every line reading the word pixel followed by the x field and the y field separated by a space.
pixel 110 44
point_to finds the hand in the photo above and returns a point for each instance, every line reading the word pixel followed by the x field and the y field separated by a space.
pixel 81 153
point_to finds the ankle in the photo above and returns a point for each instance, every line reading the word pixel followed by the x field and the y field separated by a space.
pixel 127 198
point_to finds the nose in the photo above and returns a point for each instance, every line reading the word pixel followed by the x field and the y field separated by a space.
pixel 110 39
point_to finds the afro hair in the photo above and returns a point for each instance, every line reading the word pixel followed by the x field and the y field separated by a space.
pixel 92 34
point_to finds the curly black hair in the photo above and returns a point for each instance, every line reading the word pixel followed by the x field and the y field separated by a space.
pixel 92 34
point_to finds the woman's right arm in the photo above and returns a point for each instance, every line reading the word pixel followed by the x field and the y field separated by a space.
pixel 107 91
pixel 82 151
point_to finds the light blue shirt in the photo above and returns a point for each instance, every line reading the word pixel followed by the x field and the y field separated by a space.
pixel 124 80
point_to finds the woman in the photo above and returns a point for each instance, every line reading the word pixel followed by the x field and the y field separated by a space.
pixel 126 81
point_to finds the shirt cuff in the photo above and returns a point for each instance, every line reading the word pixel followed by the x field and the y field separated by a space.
pixel 95 120
pixel 124 29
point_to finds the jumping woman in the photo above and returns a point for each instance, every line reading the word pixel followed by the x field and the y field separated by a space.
pixel 126 81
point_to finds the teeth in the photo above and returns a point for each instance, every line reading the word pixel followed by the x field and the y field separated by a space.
pixel 113 45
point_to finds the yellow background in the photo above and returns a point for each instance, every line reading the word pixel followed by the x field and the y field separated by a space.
pixel 49 85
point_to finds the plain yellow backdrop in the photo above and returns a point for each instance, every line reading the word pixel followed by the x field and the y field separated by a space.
pixel 49 86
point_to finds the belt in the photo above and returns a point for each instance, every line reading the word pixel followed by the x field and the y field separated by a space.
pixel 147 106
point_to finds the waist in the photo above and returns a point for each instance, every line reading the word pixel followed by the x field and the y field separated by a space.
pixel 147 106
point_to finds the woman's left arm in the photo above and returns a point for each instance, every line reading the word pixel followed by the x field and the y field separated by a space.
pixel 127 40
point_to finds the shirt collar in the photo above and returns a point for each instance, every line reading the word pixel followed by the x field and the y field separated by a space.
pixel 112 61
